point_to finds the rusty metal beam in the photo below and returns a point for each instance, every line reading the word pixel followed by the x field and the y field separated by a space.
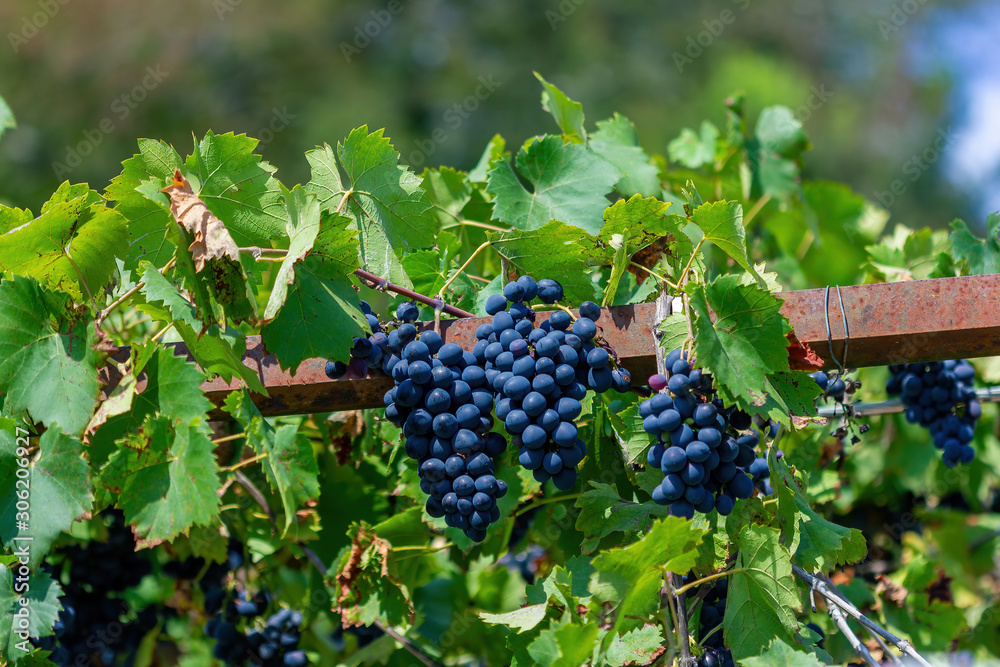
pixel 925 320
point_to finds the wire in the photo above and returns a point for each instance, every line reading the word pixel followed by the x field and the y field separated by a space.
pixel 829 335
pixel 986 395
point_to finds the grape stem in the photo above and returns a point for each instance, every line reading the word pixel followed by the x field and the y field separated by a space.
pixel 127 295
pixel 818 585
pixel 383 285
pixel 718 575
pixel 244 462
pixel 754 210
pixel 545 501
pixel 474 223
pixel 663 279
pixel 461 269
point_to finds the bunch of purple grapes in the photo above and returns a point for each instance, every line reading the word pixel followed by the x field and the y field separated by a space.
pixel 370 352
pixel 713 610
pixel 276 645
pixel 441 402
pixel 540 375
pixel 940 396
pixel 699 447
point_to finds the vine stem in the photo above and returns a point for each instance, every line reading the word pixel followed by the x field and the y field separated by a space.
pixel 545 501
pixel 474 223
pixel 663 279
pixel 318 563
pixel 461 269
pixel 162 331
pixel 687 267
pixel 755 209
pixel 228 438
pixel 686 587
pixel 244 462
pixel 860 649
pixel 820 586
pixel 343 201
pixel 101 316
pixel 382 284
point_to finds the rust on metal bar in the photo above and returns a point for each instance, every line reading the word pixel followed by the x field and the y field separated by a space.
pixel 923 320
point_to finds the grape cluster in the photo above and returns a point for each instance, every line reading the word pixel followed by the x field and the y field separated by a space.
pixel 369 352
pixel 276 645
pixel 441 402
pixel 90 576
pixel 833 385
pixel 539 375
pixel 713 610
pixel 940 397
pixel 699 446
pixel 525 562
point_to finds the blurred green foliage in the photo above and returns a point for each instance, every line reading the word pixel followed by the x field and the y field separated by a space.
pixel 85 79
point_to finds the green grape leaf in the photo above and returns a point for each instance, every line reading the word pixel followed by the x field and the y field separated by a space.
pixel 159 291
pixel 633 575
pixel 303 228
pixel 908 255
pixel 617 142
pixel 788 393
pixel 173 388
pixel 981 255
pixel 619 264
pixel 779 131
pixel 60 488
pixel 634 441
pixel 553 251
pixel 817 544
pixel 762 598
pixel 780 653
pixel 695 149
pixel 382 198
pixel 71 246
pixel 637 647
pixel 149 221
pixel 48 366
pixel 336 245
pixel 774 152
pixel 568 645
pixel 722 223
pixel 638 222
pixel 567 113
pixel 290 465
pixel 216 351
pixel 448 190
pixel 166 478
pixel 320 318
pixel 568 182
pixel 7 121
pixel 603 511
pixel 238 187
pixel 27 612
pixel 675 329
pixel 522 619
pixel 746 341
pixel 495 150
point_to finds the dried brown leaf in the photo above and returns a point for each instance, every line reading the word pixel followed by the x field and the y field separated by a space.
pixel 211 238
